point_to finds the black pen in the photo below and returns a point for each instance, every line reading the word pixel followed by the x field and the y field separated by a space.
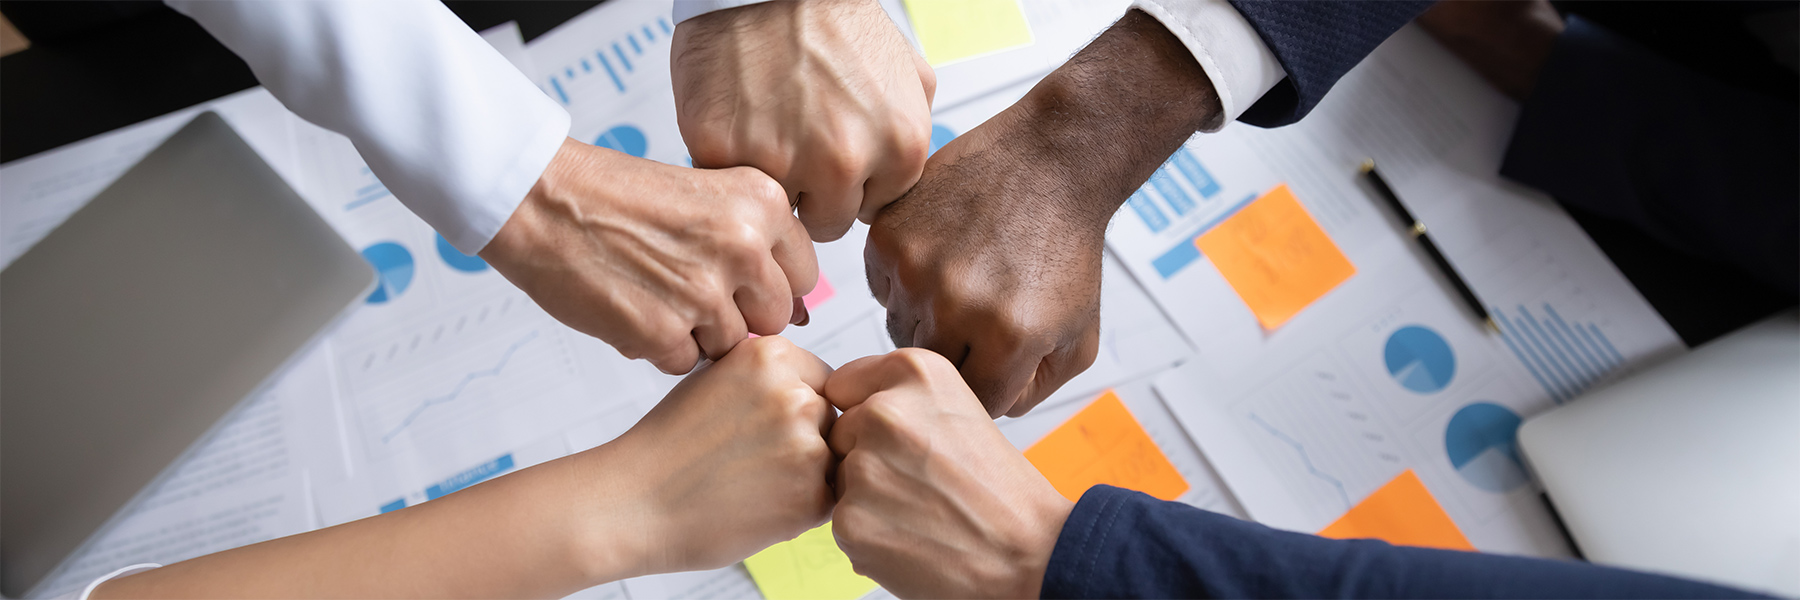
pixel 1416 229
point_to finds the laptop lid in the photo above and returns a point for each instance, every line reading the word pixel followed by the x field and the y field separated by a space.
pixel 133 328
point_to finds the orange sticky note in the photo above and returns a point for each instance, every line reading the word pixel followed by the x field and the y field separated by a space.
pixel 1276 257
pixel 1104 444
pixel 1401 512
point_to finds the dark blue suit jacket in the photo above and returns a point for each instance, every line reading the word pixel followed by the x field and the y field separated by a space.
pixel 1316 43
pixel 1123 544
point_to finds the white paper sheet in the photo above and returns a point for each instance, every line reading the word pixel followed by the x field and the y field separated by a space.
pixel 1388 371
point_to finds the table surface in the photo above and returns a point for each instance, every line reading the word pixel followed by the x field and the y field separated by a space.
pixel 119 64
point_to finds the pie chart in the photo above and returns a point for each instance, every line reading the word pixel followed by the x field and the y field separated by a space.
pixel 457 260
pixel 1419 359
pixel 624 138
pixel 1481 443
pixel 393 266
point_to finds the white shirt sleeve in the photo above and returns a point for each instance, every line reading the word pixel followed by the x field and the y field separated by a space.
pixel 1240 65
pixel 88 591
pixel 449 126
pixel 688 9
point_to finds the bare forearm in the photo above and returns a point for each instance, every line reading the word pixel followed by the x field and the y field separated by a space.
pixel 519 536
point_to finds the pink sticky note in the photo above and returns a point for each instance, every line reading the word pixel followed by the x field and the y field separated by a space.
pixel 820 294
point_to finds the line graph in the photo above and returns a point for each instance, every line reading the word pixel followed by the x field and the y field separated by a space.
pixel 1304 458
pixel 457 390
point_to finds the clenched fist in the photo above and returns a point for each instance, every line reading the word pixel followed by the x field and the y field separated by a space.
pixel 826 97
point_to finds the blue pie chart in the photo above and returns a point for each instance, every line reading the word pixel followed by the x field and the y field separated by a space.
pixel 1419 359
pixel 393 266
pixel 457 260
pixel 940 135
pixel 624 138
pixel 1481 441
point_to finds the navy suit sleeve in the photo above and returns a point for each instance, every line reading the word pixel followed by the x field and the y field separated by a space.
pixel 1123 544
pixel 1704 167
pixel 1316 43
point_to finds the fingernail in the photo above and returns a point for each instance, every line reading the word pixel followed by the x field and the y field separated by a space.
pixel 799 316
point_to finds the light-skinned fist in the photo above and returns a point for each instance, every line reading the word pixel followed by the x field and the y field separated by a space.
pixel 933 501
pixel 826 97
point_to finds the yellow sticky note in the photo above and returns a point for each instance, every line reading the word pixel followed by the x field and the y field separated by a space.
pixel 1104 444
pixel 1402 512
pixel 809 567
pixel 1276 257
pixel 952 30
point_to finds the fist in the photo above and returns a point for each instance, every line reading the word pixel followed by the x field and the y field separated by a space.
pixel 828 98
pixel 934 501
pixel 734 459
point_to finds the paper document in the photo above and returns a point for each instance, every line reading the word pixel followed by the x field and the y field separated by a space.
pixel 1389 371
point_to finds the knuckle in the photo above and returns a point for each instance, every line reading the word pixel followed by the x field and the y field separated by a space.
pixel 919 364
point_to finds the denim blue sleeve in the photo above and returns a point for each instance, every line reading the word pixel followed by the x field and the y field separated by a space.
pixel 1618 131
pixel 1123 544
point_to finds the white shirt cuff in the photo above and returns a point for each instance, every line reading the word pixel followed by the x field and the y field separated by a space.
pixel 131 570
pixel 1240 65
pixel 688 9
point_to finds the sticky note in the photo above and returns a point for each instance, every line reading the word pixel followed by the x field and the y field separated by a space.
pixel 1276 257
pixel 821 292
pixel 809 567
pixel 1401 512
pixel 1104 444
pixel 953 30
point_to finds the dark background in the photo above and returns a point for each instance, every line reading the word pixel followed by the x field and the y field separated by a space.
pixel 97 66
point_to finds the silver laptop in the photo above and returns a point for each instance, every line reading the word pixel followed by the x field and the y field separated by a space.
pixel 136 326
pixel 1691 467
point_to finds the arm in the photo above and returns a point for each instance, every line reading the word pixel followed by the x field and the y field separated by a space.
pixel 1123 544
pixel 917 516
pixel 733 460
pixel 1604 120
pixel 636 253
pixel 993 259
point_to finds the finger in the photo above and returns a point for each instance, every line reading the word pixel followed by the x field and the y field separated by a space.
pixel 832 193
pixel 875 272
pixel 676 356
pixel 800 316
pixel 793 252
pixel 811 370
pixel 998 373
pixel 897 174
pixel 927 77
pixel 1057 369
pixel 721 331
pixel 853 383
pixel 845 433
pixel 764 299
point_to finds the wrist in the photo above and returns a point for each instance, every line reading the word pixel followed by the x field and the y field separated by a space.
pixel 1036 540
pixel 1119 108
pixel 610 534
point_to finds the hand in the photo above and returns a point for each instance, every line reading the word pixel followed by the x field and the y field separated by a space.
pixel 993 260
pixel 1507 41
pixel 662 262
pixel 826 97
pixel 935 502
pixel 732 461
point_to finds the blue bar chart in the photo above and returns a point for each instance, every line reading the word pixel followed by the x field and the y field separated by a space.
pixel 1565 357
pixel 613 59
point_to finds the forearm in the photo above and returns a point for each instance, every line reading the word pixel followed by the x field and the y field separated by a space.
pixel 1117 110
pixel 1113 534
pixel 520 536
